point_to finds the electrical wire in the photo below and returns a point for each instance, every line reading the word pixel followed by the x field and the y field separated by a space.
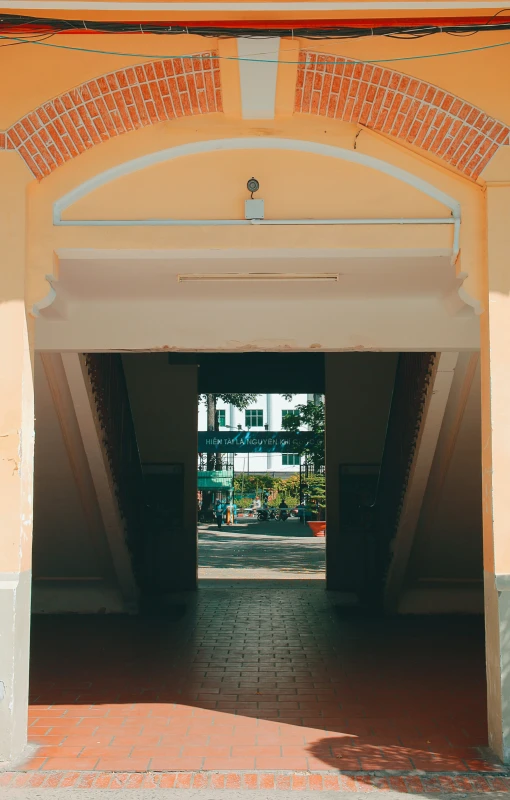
pixel 488 24
pixel 207 56
pixel 40 38
pixel 13 24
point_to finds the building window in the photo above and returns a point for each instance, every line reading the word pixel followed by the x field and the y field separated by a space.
pixel 290 459
pixel 289 412
pixel 254 418
pixel 221 417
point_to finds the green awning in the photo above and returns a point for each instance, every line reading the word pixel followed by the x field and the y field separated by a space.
pixel 215 479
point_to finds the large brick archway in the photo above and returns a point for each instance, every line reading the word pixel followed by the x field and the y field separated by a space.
pixel 100 109
pixel 411 110
pixel 395 104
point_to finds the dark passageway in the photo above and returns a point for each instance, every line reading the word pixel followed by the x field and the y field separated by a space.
pixel 247 675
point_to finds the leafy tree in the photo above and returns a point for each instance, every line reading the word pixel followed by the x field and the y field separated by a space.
pixel 239 401
pixel 312 416
pixel 278 487
pixel 316 491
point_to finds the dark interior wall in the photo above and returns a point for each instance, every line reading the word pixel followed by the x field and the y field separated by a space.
pixel 164 402
pixel 359 387
pixel 63 545
pixel 260 373
pixel 448 539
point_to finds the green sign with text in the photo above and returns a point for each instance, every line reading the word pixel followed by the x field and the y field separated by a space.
pixel 255 442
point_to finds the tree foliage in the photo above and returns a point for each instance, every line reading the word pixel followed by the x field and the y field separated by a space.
pixel 238 400
pixel 248 486
pixel 312 416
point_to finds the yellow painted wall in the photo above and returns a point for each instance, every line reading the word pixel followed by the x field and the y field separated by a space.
pixel 478 77
pixel 293 185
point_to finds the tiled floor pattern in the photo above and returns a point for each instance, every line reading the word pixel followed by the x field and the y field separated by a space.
pixel 268 781
pixel 258 680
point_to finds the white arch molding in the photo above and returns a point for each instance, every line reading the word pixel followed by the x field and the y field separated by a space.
pixel 250 143
pixel 255 143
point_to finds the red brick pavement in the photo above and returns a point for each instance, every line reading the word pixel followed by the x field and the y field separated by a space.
pixel 270 781
pixel 253 686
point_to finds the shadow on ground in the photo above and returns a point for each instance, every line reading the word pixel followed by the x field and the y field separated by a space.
pixel 260 678
pixel 285 547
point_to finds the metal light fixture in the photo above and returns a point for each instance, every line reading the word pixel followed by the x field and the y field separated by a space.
pixel 253 186
pixel 320 277
pixel 253 209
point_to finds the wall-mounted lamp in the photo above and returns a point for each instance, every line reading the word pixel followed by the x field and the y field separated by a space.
pixel 253 186
pixel 253 209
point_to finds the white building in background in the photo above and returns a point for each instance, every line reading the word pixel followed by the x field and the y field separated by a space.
pixel 266 413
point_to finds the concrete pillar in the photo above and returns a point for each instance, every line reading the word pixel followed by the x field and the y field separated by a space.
pixel 495 366
pixel 164 404
pixel 358 396
pixel 270 421
pixel 16 461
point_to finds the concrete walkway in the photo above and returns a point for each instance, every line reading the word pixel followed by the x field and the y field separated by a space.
pixel 238 794
pixel 254 550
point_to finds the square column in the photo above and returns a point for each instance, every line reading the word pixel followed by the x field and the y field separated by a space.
pixel 16 462
pixel 495 362
pixel 164 403
pixel 359 388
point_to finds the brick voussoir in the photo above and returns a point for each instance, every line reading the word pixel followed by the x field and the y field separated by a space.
pixel 111 104
pixel 376 102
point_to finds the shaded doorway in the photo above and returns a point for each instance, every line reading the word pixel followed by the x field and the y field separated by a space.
pixel 276 677
pixel 258 444
pixel 129 422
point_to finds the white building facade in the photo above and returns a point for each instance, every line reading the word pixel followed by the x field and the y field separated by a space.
pixel 266 413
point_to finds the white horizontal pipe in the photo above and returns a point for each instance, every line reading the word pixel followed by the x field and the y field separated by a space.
pixel 229 222
pixel 374 221
pixel 456 238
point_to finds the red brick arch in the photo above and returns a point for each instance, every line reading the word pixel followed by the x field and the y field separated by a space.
pixel 121 101
pixel 400 106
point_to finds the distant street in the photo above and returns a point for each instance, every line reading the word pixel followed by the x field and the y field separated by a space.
pixel 256 550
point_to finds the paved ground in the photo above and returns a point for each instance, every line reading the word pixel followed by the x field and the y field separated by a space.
pixel 239 794
pixel 257 550
pixel 272 686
